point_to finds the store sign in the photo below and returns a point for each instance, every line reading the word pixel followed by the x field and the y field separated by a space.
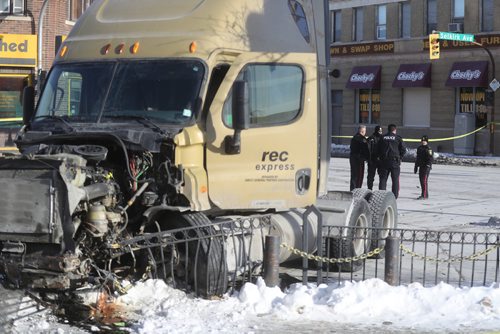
pixel 361 49
pixel 18 50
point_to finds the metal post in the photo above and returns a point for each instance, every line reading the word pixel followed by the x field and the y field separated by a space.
pixel 271 260
pixel 40 41
pixel 492 106
pixel 391 273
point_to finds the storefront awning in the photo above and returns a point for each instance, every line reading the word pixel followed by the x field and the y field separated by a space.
pixel 413 75
pixel 468 74
pixel 364 77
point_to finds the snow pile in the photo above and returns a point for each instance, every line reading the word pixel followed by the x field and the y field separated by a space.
pixel 158 308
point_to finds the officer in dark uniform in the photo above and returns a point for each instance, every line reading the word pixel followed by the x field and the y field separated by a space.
pixel 373 161
pixel 359 154
pixel 423 165
pixel 391 151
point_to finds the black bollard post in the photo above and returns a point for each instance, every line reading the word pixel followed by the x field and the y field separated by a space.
pixel 271 260
pixel 391 260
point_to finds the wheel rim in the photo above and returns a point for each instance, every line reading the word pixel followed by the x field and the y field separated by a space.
pixel 359 237
pixel 388 221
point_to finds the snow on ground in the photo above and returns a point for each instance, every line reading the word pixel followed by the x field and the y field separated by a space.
pixel 158 308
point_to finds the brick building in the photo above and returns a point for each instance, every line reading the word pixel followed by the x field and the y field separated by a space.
pixel 19 27
pixel 380 52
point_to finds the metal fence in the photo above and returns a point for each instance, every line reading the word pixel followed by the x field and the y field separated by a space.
pixel 214 258
pixel 424 256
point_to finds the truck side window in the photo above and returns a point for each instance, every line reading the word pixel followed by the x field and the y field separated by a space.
pixel 299 16
pixel 274 92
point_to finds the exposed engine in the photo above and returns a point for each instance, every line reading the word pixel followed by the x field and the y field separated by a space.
pixel 63 208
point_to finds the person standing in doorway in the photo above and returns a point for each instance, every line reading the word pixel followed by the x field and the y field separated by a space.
pixel 373 161
pixel 423 165
pixel 391 151
pixel 359 154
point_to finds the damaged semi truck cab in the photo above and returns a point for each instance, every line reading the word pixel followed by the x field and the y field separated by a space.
pixel 169 114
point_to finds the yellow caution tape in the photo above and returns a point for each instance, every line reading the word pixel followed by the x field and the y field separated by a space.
pixel 435 139
pixel 12 119
pixel 13 148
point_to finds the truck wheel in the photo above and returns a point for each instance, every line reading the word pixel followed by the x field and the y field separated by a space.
pixel 362 193
pixel 353 241
pixel 384 212
pixel 198 263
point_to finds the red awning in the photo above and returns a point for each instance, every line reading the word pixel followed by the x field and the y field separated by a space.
pixel 365 77
pixel 468 74
pixel 413 75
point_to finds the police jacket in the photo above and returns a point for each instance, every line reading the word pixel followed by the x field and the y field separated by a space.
pixel 359 147
pixel 424 156
pixel 373 146
pixel 391 149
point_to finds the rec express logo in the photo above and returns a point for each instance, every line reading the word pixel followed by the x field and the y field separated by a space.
pixel 364 78
pixel 465 75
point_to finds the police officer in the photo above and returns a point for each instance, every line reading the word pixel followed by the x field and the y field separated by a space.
pixel 423 165
pixel 391 151
pixel 373 161
pixel 359 154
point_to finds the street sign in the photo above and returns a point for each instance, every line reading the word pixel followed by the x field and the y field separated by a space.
pixel 494 84
pixel 451 36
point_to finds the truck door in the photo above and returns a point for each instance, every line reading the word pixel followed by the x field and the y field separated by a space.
pixel 277 163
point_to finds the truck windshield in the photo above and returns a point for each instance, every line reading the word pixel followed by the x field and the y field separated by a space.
pixel 164 91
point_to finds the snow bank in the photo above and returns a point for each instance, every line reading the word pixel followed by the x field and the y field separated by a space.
pixel 158 308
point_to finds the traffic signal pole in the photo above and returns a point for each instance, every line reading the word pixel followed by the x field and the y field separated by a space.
pixel 490 99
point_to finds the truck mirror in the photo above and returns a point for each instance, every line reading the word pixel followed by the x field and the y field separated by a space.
pixel 28 103
pixel 240 115
pixel 240 110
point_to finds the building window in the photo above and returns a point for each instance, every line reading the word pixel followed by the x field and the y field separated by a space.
pixel 431 16
pixel 274 94
pixel 368 106
pixel 472 100
pixel 381 22
pixel 77 7
pixel 336 22
pixel 12 7
pixel 10 99
pixel 417 107
pixel 405 24
pixel 358 24
pixel 487 15
pixel 458 11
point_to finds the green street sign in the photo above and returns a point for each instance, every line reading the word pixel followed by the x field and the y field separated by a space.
pixel 451 36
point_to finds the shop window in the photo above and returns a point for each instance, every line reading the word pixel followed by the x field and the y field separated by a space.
pixel 431 16
pixel 405 20
pixel 76 8
pixel 487 17
pixel 368 106
pixel 381 22
pixel 274 94
pixel 11 110
pixel 358 24
pixel 336 25
pixel 12 7
pixel 417 107
pixel 472 100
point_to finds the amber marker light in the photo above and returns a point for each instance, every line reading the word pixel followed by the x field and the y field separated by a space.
pixel 63 51
pixel 203 189
pixel 192 47
pixel 134 48
pixel 105 49
pixel 119 48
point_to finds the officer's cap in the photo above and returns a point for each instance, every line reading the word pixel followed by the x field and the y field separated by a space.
pixel 425 138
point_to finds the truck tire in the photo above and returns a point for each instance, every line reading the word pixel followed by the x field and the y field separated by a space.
pixel 384 211
pixel 362 193
pixel 354 239
pixel 200 262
